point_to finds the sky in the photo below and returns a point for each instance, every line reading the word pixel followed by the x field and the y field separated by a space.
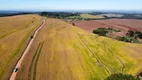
pixel 71 5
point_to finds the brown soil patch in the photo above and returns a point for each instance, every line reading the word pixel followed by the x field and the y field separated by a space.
pixel 122 24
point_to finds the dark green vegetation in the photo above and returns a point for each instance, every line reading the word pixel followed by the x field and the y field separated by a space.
pixel 70 16
pixel 104 31
pixel 14 14
pixel 76 15
pixel 121 77
pixel 139 76
pixel 131 36
pixel 132 16
pixel 125 15
pixel 105 15
pixel 59 14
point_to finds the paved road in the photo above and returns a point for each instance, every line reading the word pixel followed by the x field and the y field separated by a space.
pixel 18 65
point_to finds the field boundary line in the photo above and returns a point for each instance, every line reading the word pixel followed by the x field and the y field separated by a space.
pixel 123 66
pixel 106 69
pixel 109 48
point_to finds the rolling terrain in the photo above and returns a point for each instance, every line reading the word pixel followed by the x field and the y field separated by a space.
pixel 64 52
pixel 15 33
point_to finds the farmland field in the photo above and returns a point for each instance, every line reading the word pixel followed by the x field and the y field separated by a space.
pixel 15 33
pixel 91 16
pixel 122 24
pixel 64 52
pixel 128 23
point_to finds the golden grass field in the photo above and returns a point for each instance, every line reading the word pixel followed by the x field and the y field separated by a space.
pixel 64 52
pixel 15 33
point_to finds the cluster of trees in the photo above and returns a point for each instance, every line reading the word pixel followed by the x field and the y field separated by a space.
pixel 98 13
pixel 67 15
pixel 76 15
pixel 104 31
pixel 13 14
pixel 121 76
pixel 131 16
pixel 139 76
pixel 131 36
pixel 125 15
pixel 59 14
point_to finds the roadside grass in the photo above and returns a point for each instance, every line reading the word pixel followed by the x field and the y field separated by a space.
pixel 14 40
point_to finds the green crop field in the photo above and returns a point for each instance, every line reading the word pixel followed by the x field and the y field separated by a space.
pixel 15 33
pixel 91 16
pixel 87 16
pixel 64 52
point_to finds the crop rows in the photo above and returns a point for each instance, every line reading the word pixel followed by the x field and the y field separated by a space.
pixel 33 66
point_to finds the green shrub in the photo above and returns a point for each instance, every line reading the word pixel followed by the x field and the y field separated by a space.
pixel 139 76
pixel 104 31
pixel 139 34
pixel 101 31
pixel 129 39
pixel 121 77
pixel 131 36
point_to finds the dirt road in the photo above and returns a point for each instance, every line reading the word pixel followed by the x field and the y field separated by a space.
pixel 18 65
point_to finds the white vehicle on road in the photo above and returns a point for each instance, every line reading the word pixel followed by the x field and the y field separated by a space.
pixel 15 70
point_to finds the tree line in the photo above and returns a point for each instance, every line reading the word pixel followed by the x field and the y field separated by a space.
pixel 59 14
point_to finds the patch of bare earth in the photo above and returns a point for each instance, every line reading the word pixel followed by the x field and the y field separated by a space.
pixel 121 24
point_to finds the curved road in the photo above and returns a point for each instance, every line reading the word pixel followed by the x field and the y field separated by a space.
pixel 18 65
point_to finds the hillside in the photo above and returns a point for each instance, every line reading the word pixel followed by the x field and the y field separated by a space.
pixel 64 52
pixel 15 32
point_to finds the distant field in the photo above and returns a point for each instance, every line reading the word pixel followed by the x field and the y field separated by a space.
pixel 64 52
pixel 15 32
pixel 128 23
pixel 112 15
pixel 122 24
pixel 91 16
pixel 87 16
